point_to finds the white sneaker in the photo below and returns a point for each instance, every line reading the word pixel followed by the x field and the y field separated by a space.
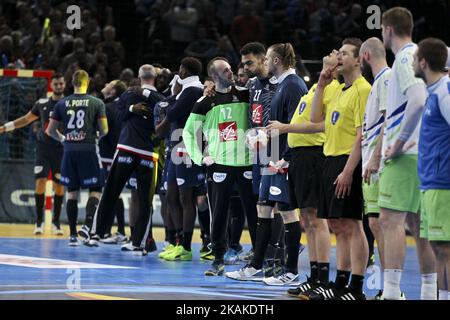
pixel 109 240
pixel 38 229
pixel 84 232
pixel 56 230
pixel 121 237
pixel 73 241
pixel 287 278
pixel 128 247
pixel 135 250
pixel 92 241
pixel 247 273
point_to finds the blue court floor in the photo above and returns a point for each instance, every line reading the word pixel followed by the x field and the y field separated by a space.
pixel 49 269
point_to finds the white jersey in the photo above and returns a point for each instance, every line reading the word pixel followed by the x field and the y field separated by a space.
pixel 373 117
pixel 401 79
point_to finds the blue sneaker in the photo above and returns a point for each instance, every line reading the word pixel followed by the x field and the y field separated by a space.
pixel 231 256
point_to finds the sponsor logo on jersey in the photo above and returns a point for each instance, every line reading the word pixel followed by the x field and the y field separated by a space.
pixel 248 175
pixel 334 117
pixel 125 160
pixel 275 191
pixel 180 181
pixel 228 131
pixel 75 136
pixel 257 113
pixel 132 182
pixel 302 107
pixel 146 163
pixel 92 180
pixel 219 177
pixel 404 60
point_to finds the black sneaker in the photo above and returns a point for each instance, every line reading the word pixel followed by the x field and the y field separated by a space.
pixel 348 295
pixel 308 285
pixel 84 232
pixel 217 269
pixel 150 245
pixel 322 292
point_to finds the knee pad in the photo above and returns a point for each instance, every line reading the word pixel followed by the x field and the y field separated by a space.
pixel 290 216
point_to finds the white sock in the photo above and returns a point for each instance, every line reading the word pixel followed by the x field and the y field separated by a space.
pixel 443 295
pixel 429 287
pixel 391 290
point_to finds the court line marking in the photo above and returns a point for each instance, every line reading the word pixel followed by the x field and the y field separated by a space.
pixel 93 296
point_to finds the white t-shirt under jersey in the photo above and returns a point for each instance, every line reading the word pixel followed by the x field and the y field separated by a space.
pixel 373 117
pixel 401 79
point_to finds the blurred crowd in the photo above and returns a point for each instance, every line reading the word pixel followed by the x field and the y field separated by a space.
pixel 117 36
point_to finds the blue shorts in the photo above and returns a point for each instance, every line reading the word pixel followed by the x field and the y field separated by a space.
pixel 275 189
pixel 81 169
pixel 164 174
pixel 256 178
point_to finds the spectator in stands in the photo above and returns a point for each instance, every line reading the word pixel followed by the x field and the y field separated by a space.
pixel 112 48
pixel 126 76
pixel 199 48
pixel 246 27
pixel 79 55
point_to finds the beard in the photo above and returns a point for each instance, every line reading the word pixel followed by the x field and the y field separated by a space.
pixel 419 74
pixel 366 71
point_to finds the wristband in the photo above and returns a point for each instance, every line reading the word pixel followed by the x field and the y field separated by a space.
pixel 131 108
pixel 9 126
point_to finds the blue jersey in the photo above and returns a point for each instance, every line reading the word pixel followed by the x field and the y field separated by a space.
pixel 434 140
pixel 138 132
pixel 108 143
pixel 178 112
pixel 261 94
pixel 79 114
pixel 159 113
pixel 288 94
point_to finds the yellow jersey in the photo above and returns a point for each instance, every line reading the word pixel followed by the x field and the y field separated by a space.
pixel 343 114
pixel 303 114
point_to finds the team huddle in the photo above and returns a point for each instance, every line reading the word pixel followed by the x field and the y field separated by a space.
pixel 268 151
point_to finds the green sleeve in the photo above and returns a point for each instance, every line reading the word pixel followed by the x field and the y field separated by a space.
pixel 192 137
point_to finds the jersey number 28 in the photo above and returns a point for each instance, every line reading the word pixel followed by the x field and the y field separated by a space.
pixel 79 122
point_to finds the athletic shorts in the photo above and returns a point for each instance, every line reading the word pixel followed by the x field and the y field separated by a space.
pixel 305 170
pixel 399 185
pixel 256 178
pixel 434 215
pixel 370 193
pixel 350 207
pixel 81 169
pixel 48 158
pixel 275 189
pixel 187 173
pixel 164 174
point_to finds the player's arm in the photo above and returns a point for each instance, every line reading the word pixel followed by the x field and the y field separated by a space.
pixel 344 180
pixel 317 106
pixel 102 120
pixel 162 128
pixel 18 123
pixel 303 127
pixel 52 131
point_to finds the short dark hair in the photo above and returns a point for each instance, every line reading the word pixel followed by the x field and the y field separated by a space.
pixel 356 42
pixel 119 86
pixel 435 53
pixel 192 65
pixel 255 48
pixel 57 75
pixel 400 19
pixel 240 65
pixel 285 52
pixel 210 66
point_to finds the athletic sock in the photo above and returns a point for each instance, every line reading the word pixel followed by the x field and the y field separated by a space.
pixel 186 241
pixel 120 214
pixel 342 278
pixel 40 200
pixel 178 236
pixel 72 215
pixel 57 205
pixel 356 283
pixel 263 233
pixel 91 207
pixel 391 288
pixel 293 233
pixel 172 237
pixel 324 272
pixel 277 229
pixel 314 271
pixel 429 287
pixel 443 295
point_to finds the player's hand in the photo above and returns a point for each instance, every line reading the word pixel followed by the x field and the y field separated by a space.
pixel 276 128
pixel 209 91
pixel 372 168
pixel 2 129
pixel 343 184
pixel 399 147
pixel 208 161
pixel 141 109
pixel 326 76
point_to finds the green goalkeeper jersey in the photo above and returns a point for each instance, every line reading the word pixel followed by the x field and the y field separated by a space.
pixel 223 120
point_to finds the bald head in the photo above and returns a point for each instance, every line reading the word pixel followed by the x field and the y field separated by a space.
pixel 375 47
pixel 147 72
